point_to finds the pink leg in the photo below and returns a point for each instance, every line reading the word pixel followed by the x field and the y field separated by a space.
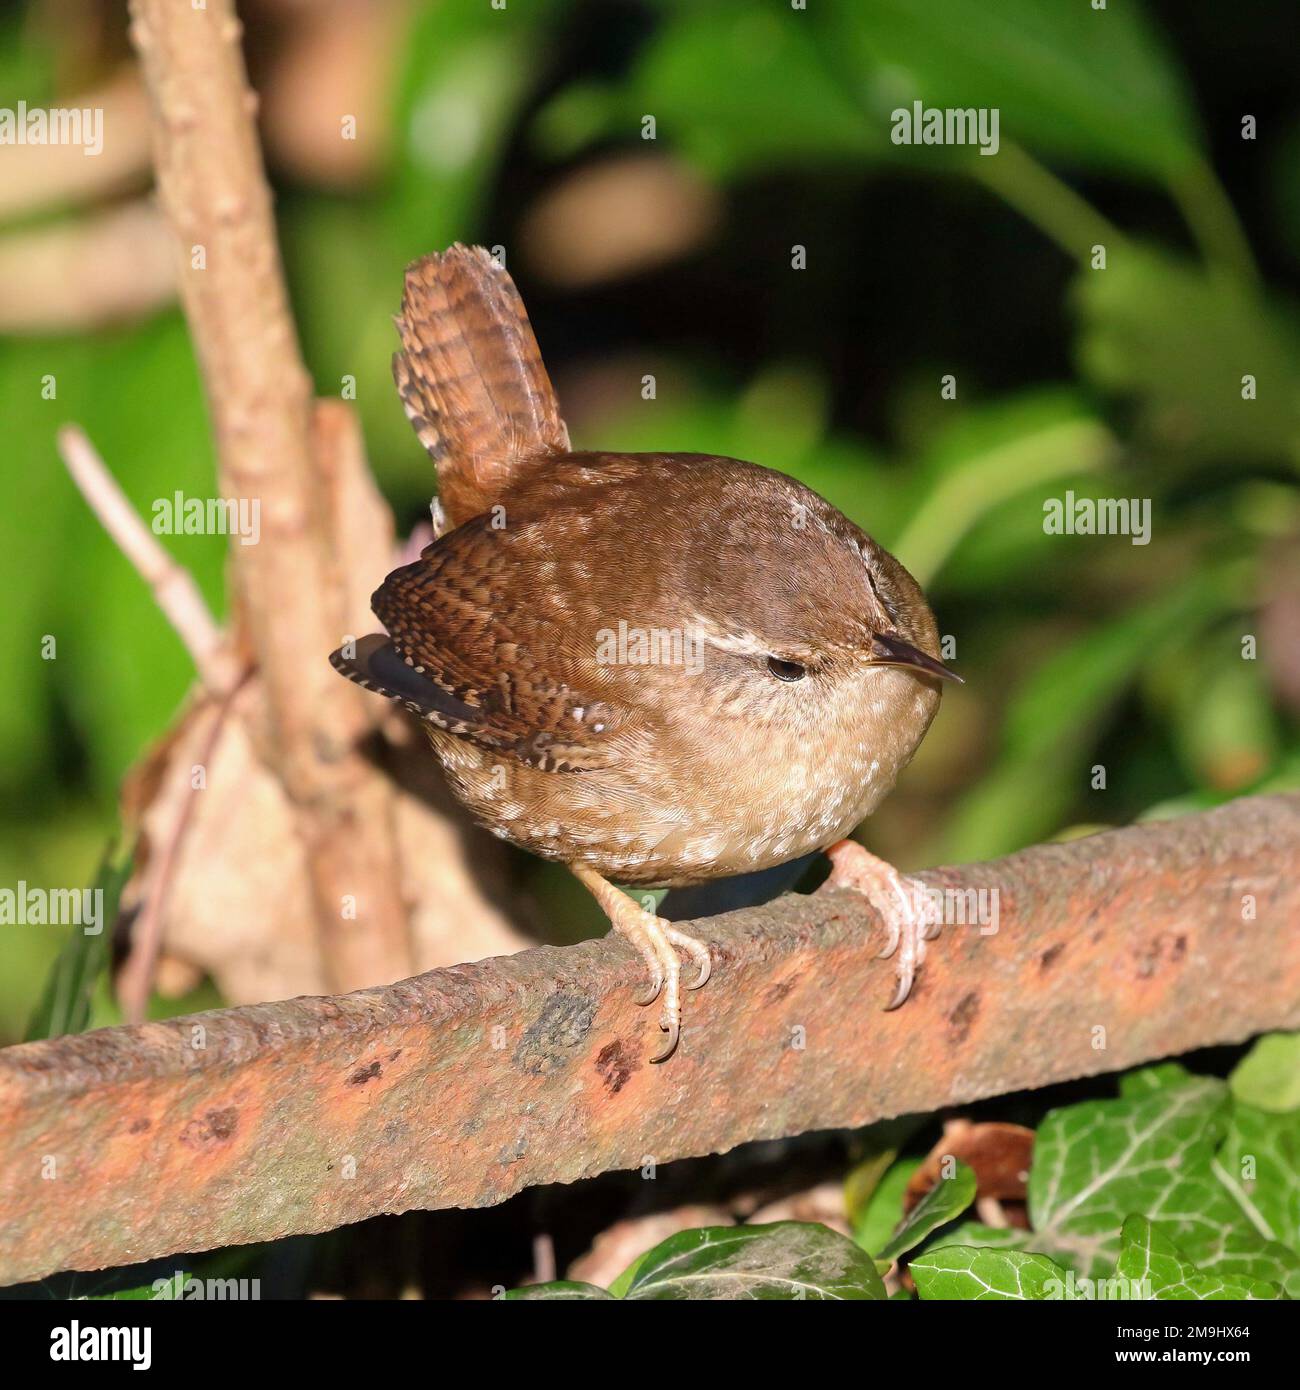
pixel 908 912
pixel 658 942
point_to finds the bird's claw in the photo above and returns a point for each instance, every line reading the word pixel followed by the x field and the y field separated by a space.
pixel 906 910
pixel 697 951
pixel 672 1025
pixel 655 989
pixel 658 942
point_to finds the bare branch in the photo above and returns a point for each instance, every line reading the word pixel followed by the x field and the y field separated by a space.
pixel 214 191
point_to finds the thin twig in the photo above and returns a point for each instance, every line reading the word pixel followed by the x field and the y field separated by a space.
pixel 135 979
pixel 991 1212
pixel 172 585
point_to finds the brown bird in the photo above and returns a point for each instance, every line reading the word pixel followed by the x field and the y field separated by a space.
pixel 657 669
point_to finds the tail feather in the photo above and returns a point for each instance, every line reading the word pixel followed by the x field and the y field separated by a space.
pixel 471 378
pixel 373 663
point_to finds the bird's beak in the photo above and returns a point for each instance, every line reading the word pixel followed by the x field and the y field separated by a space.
pixel 888 650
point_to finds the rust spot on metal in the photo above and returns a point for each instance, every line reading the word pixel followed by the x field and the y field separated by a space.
pixel 553 1038
pixel 514 1151
pixel 364 1074
pixel 778 991
pixel 963 1016
pixel 1050 956
pixel 211 1129
pixel 616 1065
pixel 1152 953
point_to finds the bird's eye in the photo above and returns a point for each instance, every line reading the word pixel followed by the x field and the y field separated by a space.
pixel 786 670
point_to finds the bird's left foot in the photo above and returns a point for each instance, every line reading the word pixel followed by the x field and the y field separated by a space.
pixel 909 912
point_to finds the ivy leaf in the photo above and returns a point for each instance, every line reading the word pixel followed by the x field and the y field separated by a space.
pixel 943 1203
pixel 987 1237
pixel 1098 1163
pixel 786 1260
pixel 1135 1084
pixel 1259 1165
pixel 1268 1076
pixel 561 1291
pixel 982 1275
pixel 1153 1267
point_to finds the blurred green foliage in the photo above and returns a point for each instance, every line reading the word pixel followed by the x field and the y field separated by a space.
pixel 1080 651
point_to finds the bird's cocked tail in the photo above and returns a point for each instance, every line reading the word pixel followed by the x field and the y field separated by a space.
pixel 471 378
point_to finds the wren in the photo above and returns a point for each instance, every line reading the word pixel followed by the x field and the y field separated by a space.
pixel 656 669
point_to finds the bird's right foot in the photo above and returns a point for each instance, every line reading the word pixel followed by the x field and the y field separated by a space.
pixel 658 941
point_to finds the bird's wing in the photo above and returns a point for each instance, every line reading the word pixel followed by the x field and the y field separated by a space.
pixel 477 647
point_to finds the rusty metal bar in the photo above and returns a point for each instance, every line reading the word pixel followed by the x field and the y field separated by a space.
pixel 460 1087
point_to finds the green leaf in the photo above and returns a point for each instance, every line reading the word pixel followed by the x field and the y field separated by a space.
pixel 1178 339
pixel 1268 1076
pixel 993 454
pixel 786 1260
pixel 735 87
pixel 987 1237
pixel 944 1202
pixel 561 1291
pixel 65 1001
pixel 1259 1164
pixel 877 1220
pixel 1153 1154
pixel 1056 714
pixel 1097 1163
pixel 876 1149
pixel 1096 87
pixel 982 1275
pixel 1152 1267
pixel 1134 1085
pixel 621 1285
